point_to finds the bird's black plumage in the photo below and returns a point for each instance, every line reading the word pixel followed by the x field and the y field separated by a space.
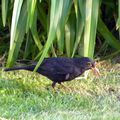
pixel 60 69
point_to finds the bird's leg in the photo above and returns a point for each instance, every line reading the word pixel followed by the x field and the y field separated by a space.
pixel 53 84
pixel 64 86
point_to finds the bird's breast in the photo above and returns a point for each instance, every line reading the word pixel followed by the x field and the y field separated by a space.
pixel 76 72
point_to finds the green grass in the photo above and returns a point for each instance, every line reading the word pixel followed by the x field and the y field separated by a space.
pixel 29 96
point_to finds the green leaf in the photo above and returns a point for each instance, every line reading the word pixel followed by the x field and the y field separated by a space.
pixel 17 32
pixel 91 18
pixel 31 5
pixel 4 11
pixel 70 34
pixel 107 35
pixel 65 9
pixel 15 18
pixel 28 46
pixel 118 21
pixel 79 24
pixel 42 16
pixel 35 33
pixel 118 24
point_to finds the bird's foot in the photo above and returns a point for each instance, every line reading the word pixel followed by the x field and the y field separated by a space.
pixel 67 88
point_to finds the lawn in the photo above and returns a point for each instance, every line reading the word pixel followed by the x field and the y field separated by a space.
pixel 28 96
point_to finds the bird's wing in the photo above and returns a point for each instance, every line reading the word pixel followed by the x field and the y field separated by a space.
pixel 59 66
pixel 64 67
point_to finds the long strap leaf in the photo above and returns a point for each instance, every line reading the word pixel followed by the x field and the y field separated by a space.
pixel 91 17
pixel 107 35
pixel 4 11
pixel 17 32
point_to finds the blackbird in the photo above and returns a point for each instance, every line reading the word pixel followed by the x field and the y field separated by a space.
pixel 61 69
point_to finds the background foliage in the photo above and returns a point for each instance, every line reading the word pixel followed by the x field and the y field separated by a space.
pixel 36 29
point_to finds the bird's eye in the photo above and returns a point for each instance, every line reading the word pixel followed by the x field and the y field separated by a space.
pixel 89 64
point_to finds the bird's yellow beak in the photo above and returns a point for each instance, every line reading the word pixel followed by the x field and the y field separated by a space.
pixel 96 71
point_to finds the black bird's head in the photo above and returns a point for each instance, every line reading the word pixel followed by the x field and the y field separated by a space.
pixel 87 63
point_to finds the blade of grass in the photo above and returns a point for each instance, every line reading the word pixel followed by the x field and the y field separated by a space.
pixel 31 5
pixel 35 33
pixel 70 34
pixel 118 21
pixel 17 34
pixel 4 11
pixel 111 55
pixel 107 35
pixel 79 24
pixel 91 17
pixel 65 8
pixel 53 51
pixel 15 18
pixel 81 6
pixel 42 16
pixel 27 46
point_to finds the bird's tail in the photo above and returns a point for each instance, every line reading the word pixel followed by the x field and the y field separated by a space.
pixel 30 68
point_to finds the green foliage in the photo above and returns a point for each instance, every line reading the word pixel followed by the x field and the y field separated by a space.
pixel 91 16
pixel 59 28
pixel 17 31
pixel 4 11
pixel 108 35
